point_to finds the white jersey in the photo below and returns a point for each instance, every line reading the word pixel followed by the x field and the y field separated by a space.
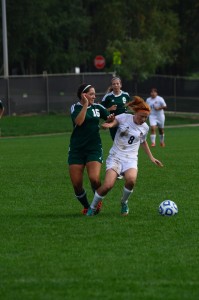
pixel 155 103
pixel 156 117
pixel 128 137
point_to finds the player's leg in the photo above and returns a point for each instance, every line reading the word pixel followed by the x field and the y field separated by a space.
pixel 76 175
pixel 153 126
pixel 109 182
pixel 130 176
pixel 161 130
pixel 93 170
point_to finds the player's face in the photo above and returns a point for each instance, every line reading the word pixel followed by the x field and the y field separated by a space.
pixel 116 85
pixel 140 118
pixel 153 94
pixel 90 95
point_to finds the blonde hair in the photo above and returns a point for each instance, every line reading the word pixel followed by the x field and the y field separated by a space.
pixel 138 104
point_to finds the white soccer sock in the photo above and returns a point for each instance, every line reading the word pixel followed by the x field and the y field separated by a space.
pixel 126 195
pixel 153 137
pixel 97 198
pixel 161 138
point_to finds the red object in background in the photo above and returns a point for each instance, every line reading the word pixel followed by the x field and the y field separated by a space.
pixel 99 62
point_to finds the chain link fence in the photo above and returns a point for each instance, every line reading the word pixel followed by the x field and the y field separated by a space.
pixel 56 93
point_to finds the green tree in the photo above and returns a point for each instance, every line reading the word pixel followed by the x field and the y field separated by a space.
pixel 46 35
pixel 56 36
pixel 151 38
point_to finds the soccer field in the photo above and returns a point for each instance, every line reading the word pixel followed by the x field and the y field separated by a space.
pixel 50 251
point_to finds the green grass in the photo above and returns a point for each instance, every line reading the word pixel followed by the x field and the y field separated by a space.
pixel 50 251
pixel 45 124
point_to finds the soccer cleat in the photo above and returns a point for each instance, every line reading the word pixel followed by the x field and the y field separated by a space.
pixel 120 177
pixel 124 209
pixel 162 144
pixel 91 212
pixel 84 211
pixel 99 206
pixel 153 145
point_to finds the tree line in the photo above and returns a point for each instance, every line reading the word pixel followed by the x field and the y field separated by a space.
pixel 146 36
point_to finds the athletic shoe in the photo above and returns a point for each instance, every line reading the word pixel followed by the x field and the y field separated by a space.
pixel 91 212
pixel 162 144
pixel 99 206
pixel 84 211
pixel 153 145
pixel 120 177
pixel 124 209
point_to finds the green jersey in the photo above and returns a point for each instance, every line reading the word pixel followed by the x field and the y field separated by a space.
pixel 86 137
pixel 119 100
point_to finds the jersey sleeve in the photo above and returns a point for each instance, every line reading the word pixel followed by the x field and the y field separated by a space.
pixel 163 102
pixel 106 101
pixel 75 109
pixel 104 113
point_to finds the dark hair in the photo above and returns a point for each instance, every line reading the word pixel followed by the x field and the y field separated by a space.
pixel 154 89
pixel 85 87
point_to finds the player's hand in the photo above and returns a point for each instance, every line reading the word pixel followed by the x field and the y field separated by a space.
pixel 84 99
pixel 113 107
pixel 110 118
pixel 157 162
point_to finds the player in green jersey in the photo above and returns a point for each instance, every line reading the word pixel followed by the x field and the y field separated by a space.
pixel 1 109
pixel 115 101
pixel 85 149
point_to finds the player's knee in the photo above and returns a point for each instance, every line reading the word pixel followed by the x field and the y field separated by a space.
pixel 95 184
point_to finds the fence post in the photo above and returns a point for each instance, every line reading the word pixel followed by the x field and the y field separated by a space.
pixel 174 90
pixel 8 94
pixel 45 75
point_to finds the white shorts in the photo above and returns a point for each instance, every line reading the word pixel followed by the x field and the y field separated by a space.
pixel 120 165
pixel 157 121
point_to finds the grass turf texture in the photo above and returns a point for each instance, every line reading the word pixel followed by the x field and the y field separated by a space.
pixel 48 124
pixel 50 251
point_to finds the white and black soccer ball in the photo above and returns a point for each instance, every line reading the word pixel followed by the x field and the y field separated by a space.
pixel 168 208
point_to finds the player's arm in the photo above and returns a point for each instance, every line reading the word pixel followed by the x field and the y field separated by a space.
pixel 147 150
pixel 82 114
pixel 162 105
pixel 111 124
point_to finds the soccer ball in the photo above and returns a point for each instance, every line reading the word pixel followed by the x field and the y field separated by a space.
pixel 168 208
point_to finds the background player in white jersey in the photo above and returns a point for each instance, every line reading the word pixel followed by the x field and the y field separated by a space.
pixel 123 156
pixel 157 116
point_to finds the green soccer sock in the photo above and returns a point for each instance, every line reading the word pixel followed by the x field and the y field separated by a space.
pixel 83 199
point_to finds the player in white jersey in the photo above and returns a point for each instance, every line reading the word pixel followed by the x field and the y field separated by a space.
pixel 123 156
pixel 157 116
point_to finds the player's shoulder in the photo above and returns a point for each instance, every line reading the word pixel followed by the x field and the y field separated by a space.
pixel 107 96
pixel 125 93
pixel 148 99
pixel 75 106
pixel 160 98
pixel 145 126
pixel 98 105
pixel 123 117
